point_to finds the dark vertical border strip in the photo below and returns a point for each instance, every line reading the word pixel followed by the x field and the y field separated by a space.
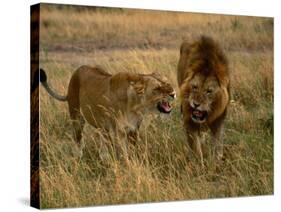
pixel 34 104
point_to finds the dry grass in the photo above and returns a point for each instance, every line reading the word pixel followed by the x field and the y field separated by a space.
pixel 159 168
pixel 88 30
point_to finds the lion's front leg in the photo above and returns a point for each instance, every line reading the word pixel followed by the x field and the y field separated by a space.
pixel 217 139
pixel 194 142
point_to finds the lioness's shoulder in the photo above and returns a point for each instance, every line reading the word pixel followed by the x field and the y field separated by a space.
pixel 86 69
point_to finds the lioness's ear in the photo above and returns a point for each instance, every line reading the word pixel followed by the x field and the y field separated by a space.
pixel 139 86
pixel 159 76
pixel 156 75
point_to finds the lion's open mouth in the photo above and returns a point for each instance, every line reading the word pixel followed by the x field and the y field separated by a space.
pixel 164 106
pixel 198 116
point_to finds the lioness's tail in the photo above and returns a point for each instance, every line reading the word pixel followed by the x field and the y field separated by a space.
pixel 43 80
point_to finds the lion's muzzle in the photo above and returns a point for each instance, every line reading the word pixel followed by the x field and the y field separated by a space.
pixel 198 116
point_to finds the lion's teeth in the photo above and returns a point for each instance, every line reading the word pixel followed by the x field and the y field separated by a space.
pixel 197 113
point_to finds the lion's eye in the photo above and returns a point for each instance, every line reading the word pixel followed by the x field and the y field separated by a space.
pixel 194 88
pixel 157 88
pixel 209 91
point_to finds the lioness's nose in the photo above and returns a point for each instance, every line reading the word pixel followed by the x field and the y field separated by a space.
pixel 173 95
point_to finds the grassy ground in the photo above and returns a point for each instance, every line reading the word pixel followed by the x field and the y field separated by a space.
pixel 159 170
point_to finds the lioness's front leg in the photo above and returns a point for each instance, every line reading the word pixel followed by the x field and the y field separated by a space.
pixel 120 145
pixel 133 136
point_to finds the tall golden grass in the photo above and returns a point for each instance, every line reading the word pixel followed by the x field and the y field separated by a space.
pixel 159 168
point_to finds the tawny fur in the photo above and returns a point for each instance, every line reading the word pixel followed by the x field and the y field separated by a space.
pixel 115 103
pixel 203 78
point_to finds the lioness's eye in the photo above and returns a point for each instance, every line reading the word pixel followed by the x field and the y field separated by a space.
pixel 156 90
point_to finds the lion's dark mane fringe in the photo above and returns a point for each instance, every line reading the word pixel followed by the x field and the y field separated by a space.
pixel 205 55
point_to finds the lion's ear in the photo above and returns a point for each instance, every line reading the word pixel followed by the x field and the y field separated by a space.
pixel 222 75
pixel 185 46
pixel 224 81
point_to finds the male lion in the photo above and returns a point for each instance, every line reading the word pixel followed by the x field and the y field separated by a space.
pixel 203 78
pixel 114 103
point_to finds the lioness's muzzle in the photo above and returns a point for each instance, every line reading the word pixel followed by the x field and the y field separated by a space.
pixel 164 106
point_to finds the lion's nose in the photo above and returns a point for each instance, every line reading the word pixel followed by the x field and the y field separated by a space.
pixel 195 104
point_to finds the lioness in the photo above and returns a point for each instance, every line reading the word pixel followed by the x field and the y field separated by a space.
pixel 203 78
pixel 115 103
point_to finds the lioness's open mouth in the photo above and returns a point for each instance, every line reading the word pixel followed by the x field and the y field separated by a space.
pixel 164 106
pixel 198 116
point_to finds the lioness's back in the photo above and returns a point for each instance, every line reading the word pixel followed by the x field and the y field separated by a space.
pixel 86 72
pixel 92 81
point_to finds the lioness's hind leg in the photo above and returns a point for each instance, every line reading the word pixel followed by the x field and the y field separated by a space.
pixel 73 99
pixel 74 110
pixel 78 123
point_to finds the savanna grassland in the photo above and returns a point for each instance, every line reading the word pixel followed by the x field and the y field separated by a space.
pixel 159 168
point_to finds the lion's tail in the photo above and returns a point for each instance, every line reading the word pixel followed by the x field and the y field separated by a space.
pixel 43 80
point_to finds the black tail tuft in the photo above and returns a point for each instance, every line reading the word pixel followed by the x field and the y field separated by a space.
pixel 43 76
